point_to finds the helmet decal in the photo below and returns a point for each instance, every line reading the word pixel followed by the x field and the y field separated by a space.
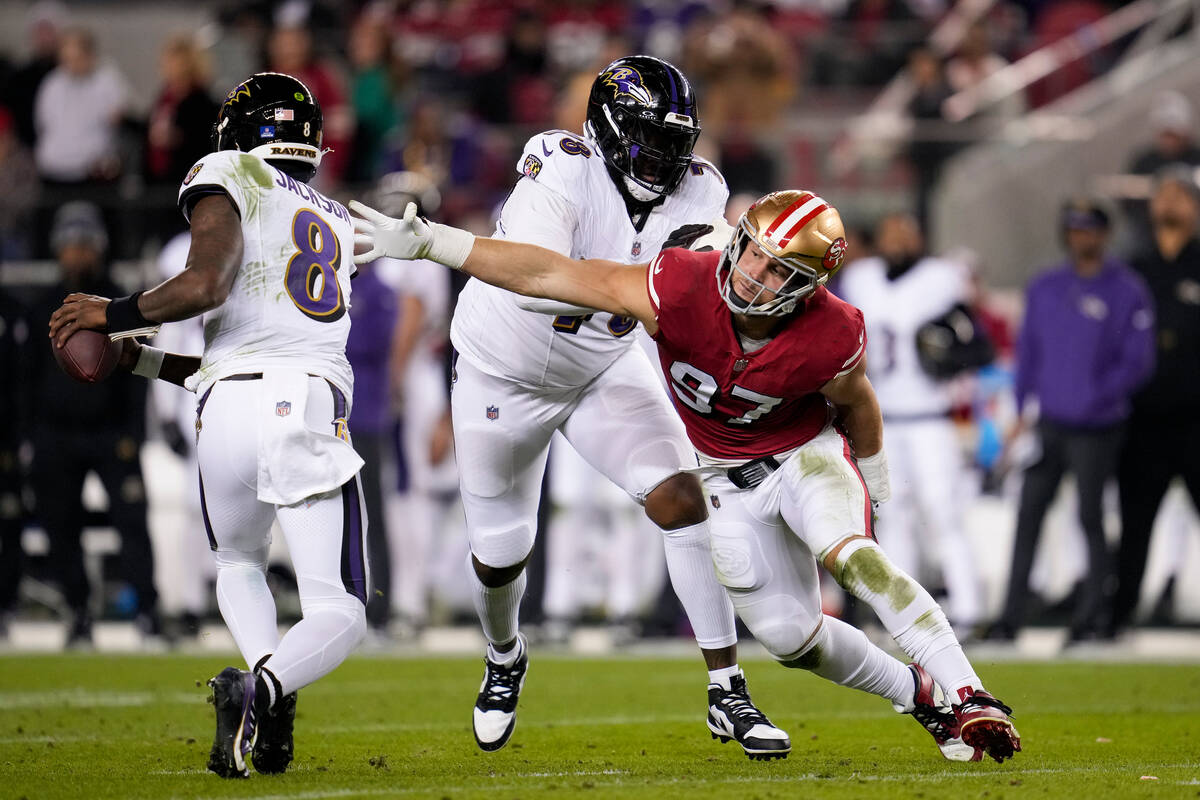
pixel 626 81
pixel 834 254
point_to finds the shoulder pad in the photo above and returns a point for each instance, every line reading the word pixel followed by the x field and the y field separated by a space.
pixel 556 159
pixel 237 174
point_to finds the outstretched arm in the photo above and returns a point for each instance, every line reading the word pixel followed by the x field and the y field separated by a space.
pixel 522 268
pixel 212 264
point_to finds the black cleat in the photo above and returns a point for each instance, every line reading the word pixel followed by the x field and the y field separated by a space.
pixel 233 699
pixel 273 748
pixel 495 712
pixel 732 715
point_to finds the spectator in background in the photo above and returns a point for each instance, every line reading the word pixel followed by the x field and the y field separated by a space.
pixel 975 62
pixel 181 118
pixel 77 113
pixel 1164 430
pixel 1085 346
pixel 180 124
pixel 79 429
pixel 1173 126
pixel 14 335
pixel 374 82
pixel 18 192
pixel 44 24
pixel 290 51
pixel 931 144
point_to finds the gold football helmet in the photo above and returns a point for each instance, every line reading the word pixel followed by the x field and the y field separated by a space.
pixel 796 228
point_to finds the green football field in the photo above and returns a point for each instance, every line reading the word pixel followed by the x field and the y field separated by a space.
pixel 91 726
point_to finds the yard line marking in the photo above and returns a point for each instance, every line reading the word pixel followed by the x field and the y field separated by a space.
pixel 84 698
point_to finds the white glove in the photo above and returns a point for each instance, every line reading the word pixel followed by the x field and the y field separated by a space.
pixel 874 470
pixel 408 238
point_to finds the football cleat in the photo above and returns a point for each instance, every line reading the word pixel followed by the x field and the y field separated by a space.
pixel 984 725
pixel 273 747
pixel 930 707
pixel 732 715
pixel 495 712
pixel 233 699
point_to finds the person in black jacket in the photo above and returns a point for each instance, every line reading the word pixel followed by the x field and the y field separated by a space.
pixel 1164 430
pixel 78 428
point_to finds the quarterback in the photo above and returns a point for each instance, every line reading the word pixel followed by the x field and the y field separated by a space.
pixel 269 267
pixel 527 368
pixel 768 373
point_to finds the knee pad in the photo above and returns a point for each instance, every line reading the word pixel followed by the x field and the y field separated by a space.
pixel 780 623
pixel 738 559
pixel 486 468
pixel 502 547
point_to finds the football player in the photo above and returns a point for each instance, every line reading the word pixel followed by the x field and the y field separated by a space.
pixel 903 294
pixel 269 267
pixel 768 372
pixel 527 368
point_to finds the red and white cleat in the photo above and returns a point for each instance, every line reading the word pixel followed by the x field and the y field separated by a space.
pixel 930 707
pixel 984 725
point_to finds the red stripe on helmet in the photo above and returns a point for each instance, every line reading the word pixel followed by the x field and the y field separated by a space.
pixel 803 221
pixel 804 198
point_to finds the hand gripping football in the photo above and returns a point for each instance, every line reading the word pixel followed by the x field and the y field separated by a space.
pixel 88 356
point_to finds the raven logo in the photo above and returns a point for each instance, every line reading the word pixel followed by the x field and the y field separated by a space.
pixel 627 81
pixel 241 90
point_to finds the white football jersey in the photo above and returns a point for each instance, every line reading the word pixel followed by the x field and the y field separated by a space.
pixel 893 311
pixel 288 305
pixel 567 202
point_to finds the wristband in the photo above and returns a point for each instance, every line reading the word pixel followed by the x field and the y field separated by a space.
pixel 874 471
pixel 122 314
pixel 449 246
pixel 149 363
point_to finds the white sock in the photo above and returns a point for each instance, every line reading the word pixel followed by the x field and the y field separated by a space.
pixel 708 608
pixel 911 616
pixel 930 641
pixel 842 653
pixel 508 657
pixel 497 607
pixel 721 677
pixel 247 607
pixel 334 623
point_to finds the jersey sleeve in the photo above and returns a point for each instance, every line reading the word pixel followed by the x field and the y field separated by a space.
pixel 671 281
pixel 850 341
pixel 536 214
pixel 224 172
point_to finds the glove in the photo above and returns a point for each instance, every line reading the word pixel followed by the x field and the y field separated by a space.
pixel 874 471
pixel 686 235
pixel 408 238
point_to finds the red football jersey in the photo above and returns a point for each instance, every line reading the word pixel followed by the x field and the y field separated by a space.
pixel 738 405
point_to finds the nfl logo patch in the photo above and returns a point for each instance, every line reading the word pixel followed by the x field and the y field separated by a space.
pixel 493 412
pixel 532 166
pixel 636 250
pixel 283 408
pixel 266 131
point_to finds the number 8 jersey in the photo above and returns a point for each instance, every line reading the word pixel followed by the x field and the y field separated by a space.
pixel 738 405
pixel 289 300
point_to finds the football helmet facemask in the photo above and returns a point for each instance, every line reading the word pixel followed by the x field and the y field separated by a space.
pixel 274 116
pixel 794 228
pixel 642 116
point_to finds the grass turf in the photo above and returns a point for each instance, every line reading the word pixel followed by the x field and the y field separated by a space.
pixel 101 726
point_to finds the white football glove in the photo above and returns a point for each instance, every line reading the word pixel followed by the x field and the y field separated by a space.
pixel 408 238
pixel 874 471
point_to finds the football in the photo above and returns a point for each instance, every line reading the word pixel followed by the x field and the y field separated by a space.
pixel 88 356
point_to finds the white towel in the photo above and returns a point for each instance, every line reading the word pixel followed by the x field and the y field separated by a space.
pixel 297 459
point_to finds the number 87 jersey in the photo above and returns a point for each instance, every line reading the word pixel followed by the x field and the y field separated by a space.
pixel 738 404
pixel 289 300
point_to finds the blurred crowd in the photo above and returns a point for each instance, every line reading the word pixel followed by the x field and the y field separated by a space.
pixel 431 101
